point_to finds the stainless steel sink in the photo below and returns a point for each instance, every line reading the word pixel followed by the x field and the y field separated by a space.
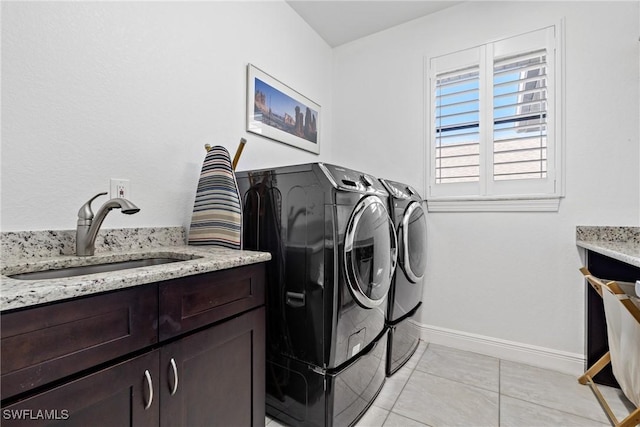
pixel 92 269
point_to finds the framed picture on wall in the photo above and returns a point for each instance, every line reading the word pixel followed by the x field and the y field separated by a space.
pixel 276 111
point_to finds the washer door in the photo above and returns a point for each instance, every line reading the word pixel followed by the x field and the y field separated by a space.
pixel 413 233
pixel 370 252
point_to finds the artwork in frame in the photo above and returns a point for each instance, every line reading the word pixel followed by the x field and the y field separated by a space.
pixel 276 111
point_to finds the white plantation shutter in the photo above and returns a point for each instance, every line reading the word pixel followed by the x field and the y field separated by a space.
pixel 457 119
pixel 494 120
pixel 520 117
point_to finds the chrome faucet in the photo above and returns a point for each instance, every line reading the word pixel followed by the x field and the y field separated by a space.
pixel 88 226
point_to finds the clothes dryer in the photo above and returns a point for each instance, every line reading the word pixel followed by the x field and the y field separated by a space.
pixel 405 295
pixel 334 249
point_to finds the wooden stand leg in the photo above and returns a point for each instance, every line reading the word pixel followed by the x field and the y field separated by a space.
pixel 632 419
pixel 593 370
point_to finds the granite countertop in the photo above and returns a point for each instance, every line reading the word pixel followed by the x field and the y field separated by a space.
pixel 621 243
pixel 16 293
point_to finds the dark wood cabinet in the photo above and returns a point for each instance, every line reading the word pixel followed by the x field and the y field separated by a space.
pixel 210 376
pixel 183 352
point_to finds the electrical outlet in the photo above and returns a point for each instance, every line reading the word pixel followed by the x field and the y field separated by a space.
pixel 120 188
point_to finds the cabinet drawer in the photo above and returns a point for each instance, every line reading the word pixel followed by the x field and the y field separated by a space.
pixel 43 344
pixel 192 302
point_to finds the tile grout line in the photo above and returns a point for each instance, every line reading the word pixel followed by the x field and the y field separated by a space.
pixel 405 384
pixel 556 409
pixel 385 418
pixel 544 406
pixel 455 381
pixel 459 382
pixel 499 390
pixel 468 384
pixel 408 377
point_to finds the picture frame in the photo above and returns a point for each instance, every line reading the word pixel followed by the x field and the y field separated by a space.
pixel 278 112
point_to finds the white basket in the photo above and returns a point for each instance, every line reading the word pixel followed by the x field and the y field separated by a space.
pixel 624 343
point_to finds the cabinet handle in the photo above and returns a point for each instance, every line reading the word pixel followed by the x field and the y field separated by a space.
pixel 147 376
pixel 175 376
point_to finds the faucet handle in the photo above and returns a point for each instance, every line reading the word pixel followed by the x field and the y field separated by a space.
pixel 85 213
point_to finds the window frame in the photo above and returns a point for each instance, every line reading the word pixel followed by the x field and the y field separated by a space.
pixel 488 194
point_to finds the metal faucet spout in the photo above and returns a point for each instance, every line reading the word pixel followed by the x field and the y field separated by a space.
pixel 88 225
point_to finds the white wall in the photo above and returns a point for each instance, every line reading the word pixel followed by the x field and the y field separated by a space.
pixel 100 90
pixel 508 277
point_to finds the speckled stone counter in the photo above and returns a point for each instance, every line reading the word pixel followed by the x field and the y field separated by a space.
pixel 16 293
pixel 46 244
pixel 621 243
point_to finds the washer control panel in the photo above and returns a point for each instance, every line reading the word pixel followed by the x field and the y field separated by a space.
pixel 350 180
pixel 400 191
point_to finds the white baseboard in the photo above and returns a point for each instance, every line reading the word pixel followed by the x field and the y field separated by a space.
pixel 557 360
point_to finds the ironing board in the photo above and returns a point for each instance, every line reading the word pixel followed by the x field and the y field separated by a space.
pixel 217 211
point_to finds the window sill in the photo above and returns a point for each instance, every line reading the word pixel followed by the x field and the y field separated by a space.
pixel 549 204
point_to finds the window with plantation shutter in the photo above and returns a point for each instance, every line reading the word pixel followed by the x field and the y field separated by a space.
pixel 494 125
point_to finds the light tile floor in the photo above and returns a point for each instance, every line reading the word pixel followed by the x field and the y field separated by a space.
pixel 441 387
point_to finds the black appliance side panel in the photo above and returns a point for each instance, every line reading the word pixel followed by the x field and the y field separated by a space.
pixel 284 215
pixel 332 297
pixel 304 277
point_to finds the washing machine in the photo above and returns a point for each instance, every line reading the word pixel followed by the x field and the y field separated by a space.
pixel 405 295
pixel 334 251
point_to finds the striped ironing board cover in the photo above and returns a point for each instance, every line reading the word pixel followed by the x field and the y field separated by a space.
pixel 217 211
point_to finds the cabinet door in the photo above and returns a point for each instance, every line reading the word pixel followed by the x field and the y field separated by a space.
pixel 117 396
pixel 219 373
pixel 44 344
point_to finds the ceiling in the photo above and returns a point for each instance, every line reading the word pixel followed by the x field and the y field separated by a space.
pixel 339 22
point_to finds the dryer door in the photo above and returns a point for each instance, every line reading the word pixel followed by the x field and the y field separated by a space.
pixel 370 252
pixel 413 236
